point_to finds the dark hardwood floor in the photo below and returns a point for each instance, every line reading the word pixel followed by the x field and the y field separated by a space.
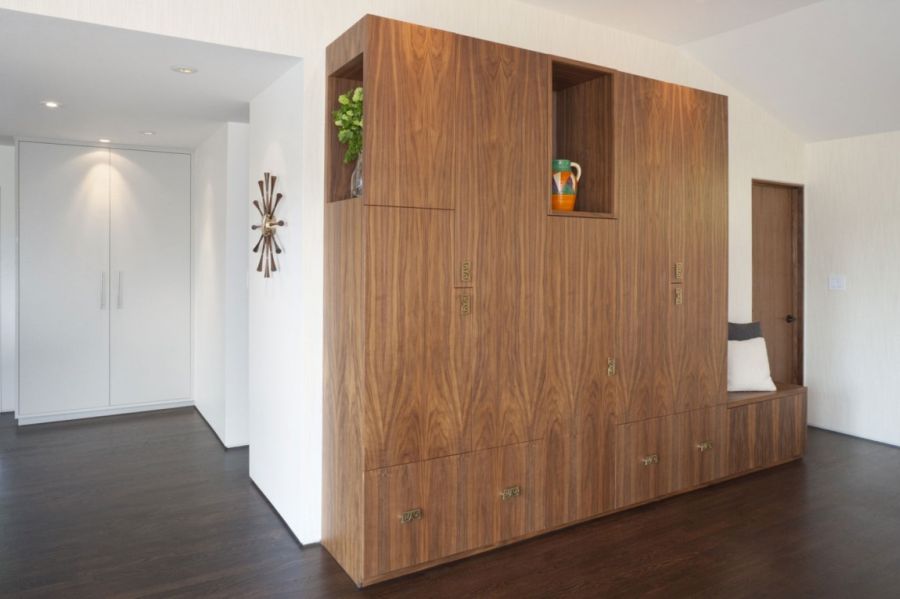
pixel 151 506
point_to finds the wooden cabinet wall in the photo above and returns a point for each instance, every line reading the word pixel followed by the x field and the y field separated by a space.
pixel 495 369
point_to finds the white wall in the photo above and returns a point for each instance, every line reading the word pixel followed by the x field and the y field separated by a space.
pixel 285 334
pixel 853 336
pixel 237 295
pixel 220 297
pixel 9 375
pixel 759 147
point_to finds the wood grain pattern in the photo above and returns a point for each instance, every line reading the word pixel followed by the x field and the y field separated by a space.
pixel 692 467
pixel 503 234
pixel 492 520
pixel 583 131
pixel 767 432
pixel 577 396
pixel 672 184
pixel 448 409
pixel 698 329
pixel 414 76
pixel 437 488
pixel 648 171
pixel 412 411
pixel 778 275
pixel 636 482
pixel 342 447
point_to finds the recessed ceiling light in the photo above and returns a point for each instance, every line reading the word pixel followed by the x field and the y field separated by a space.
pixel 148 132
pixel 185 70
pixel 51 104
pixel 103 140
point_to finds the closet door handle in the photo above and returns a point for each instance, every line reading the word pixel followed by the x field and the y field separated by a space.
pixel 119 290
pixel 103 290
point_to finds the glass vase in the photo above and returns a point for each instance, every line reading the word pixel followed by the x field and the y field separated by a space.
pixel 356 179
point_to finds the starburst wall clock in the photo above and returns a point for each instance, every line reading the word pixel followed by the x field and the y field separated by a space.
pixel 267 246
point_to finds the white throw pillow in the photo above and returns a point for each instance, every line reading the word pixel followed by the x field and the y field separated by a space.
pixel 748 366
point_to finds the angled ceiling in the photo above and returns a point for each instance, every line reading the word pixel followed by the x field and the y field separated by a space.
pixel 828 70
pixel 825 68
pixel 673 21
pixel 114 83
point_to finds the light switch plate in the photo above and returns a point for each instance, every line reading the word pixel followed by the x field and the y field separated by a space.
pixel 837 283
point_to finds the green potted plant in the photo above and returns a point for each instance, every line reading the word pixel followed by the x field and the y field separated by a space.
pixel 348 118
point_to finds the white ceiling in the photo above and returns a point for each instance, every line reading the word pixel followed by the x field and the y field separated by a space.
pixel 826 68
pixel 115 83
pixel 673 21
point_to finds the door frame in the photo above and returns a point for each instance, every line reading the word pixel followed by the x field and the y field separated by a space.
pixel 799 263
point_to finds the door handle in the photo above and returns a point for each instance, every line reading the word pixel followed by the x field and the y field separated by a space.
pixel 119 290
pixel 790 318
pixel 103 290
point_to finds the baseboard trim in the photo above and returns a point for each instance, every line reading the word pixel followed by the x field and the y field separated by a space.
pixel 107 411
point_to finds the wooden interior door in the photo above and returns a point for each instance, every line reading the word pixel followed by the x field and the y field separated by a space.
pixel 63 278
pixel 150 296
pixel 778 276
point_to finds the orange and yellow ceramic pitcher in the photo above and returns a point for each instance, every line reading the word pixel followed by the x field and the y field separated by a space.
pixel 565 184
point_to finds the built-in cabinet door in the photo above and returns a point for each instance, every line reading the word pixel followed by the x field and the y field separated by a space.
pixel 699 248
pixel 63 278
pixel 414 125
pixel 414 409
pixel 501 230
pixel 672 169
pixel 150 343
pixel 648 177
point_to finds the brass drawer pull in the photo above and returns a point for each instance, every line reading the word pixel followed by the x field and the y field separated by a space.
pixel 510 493
pixel 679 296
pixel 465 305
pixel 411 515
pixel 611 367
pixel 679 271
pixel 465 273
pixel 704 446
pixel 650 460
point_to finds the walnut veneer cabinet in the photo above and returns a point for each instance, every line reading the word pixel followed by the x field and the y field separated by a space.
pixel 495 369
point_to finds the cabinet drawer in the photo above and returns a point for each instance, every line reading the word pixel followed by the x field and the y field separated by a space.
pixel 414 513
pixel 504 487
pixel 643 460
pixel 766 433
pixel 699 447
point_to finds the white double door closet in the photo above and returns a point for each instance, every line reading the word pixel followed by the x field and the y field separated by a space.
pixel 104 280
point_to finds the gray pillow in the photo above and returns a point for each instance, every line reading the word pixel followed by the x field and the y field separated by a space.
pixel 741 331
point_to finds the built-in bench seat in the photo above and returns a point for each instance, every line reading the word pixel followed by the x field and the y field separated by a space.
pixel 766 427
pixel 740 398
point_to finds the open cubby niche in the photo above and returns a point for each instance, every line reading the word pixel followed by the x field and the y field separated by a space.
pixel 346 78
pixel 583 133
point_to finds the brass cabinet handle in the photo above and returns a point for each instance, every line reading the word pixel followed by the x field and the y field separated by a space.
pixel 679 296
pixel 611 367
pixel 704 446
pixel 411 515
pixel 465 271
pixel 510 493
pixel 679 271
pixel 650 460
pixel 465 304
